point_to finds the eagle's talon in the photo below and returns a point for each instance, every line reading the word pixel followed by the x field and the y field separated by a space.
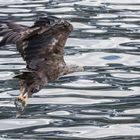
pixel 20 104
pixel 22 100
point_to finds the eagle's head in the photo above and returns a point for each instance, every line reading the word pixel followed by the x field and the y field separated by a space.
pixel 54 23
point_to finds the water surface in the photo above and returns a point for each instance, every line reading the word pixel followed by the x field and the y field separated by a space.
pixel 102 103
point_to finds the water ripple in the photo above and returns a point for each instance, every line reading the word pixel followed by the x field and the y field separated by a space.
pixel 101 103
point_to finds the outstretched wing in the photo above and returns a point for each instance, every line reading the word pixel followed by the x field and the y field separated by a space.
pixel 40 43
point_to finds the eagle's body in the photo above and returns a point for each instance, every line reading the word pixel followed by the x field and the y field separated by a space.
pixel 42 47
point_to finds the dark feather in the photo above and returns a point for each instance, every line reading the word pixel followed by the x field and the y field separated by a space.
pixel 11 32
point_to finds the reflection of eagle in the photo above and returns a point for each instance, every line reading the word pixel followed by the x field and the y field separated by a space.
pixel 42 47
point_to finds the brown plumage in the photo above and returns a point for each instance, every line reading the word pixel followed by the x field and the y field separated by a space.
pixel 42 47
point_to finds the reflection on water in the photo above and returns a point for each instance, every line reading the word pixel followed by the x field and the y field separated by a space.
pixel 101 103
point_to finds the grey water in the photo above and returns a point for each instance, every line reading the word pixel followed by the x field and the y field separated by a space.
pixel 101 103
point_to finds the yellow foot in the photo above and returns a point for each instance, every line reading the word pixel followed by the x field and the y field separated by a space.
pixel 20 104
pixel 23 100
